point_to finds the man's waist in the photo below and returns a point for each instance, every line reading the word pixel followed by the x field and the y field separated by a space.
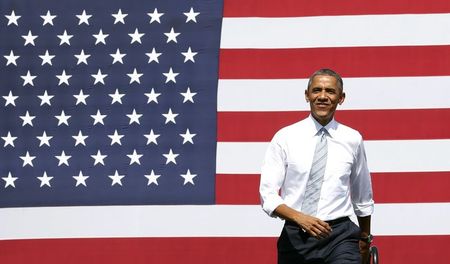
pixel 338 220
pixel 330 222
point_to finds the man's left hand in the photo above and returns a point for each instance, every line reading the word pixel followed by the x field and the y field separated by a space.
pixel 364 250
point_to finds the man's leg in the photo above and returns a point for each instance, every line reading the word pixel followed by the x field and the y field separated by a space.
pixel 295 246
pixel 287 253
pixel 346 251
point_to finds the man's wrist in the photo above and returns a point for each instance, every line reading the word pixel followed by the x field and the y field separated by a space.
pixel 368 239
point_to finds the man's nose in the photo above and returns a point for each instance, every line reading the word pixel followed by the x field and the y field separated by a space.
pixel 322 95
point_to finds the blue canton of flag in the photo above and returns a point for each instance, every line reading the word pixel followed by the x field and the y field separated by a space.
pixel 108 102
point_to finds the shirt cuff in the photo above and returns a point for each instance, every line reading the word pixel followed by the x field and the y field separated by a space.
pixel 270 206
pixel 364 209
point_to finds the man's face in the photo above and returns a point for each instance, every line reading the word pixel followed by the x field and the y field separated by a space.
pixel 323 96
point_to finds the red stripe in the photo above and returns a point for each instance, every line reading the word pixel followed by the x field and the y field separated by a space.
pixel 392 250
pixel 237 189
pixel 349 62
pixel 295 8
pixel 372 124
pixel 422 187
pixel 411 187
pixel 138 251
pixel 413 249
pixel 253 126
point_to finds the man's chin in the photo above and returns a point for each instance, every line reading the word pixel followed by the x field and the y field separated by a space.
pixel 322 116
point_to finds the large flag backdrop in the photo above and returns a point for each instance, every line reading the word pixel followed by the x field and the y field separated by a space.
pixel 135 175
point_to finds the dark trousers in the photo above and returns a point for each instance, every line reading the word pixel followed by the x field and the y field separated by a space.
pixel 295 246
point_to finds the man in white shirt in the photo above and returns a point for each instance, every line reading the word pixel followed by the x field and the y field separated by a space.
pixel 316 190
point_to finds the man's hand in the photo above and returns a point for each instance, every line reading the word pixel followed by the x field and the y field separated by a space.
pixel 364 246
pixel 313 225
pixel 364 250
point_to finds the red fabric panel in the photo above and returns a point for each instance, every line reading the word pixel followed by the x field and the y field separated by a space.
pixel 393 250
pixel 372 124
pixel 139 251
pixel 349 62
pixel 297 8
pixel 237 189
pixel 399 187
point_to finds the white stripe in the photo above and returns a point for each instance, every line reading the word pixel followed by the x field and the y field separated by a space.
pixel 197 221
pixel 134 221
pixel 362 93
pixel 382 156
pixel 411 219
pixel 336 31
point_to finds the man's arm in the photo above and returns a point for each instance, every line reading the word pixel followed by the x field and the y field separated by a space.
pixel 362 198
pixel 364 225
pixel 312 225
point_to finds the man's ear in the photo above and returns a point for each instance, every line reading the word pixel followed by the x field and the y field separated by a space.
pixel 306 96
pixel 342 99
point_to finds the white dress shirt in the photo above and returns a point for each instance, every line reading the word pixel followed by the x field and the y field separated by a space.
pixel 346 187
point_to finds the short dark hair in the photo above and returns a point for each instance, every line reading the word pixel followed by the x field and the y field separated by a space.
pixel 327 72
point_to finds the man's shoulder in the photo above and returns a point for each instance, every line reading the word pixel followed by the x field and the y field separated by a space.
pixel 301 124
pixel 293 128
pixel 348 132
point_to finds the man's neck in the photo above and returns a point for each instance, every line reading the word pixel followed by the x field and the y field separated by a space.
pixel 322 122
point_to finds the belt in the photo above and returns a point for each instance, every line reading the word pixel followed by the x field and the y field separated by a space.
pixel 338 221
pixel 330 222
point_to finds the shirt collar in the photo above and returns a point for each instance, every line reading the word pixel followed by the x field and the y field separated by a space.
pixel 315 126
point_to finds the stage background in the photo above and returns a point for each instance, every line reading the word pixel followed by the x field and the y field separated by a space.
pixel 394 57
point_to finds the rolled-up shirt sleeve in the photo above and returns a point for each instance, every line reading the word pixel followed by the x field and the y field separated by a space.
pixel 361 184
pixel 272 177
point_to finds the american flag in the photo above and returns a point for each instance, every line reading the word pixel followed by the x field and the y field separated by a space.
pixel 110 153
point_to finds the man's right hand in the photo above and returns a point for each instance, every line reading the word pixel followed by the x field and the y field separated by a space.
pixel 313 225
